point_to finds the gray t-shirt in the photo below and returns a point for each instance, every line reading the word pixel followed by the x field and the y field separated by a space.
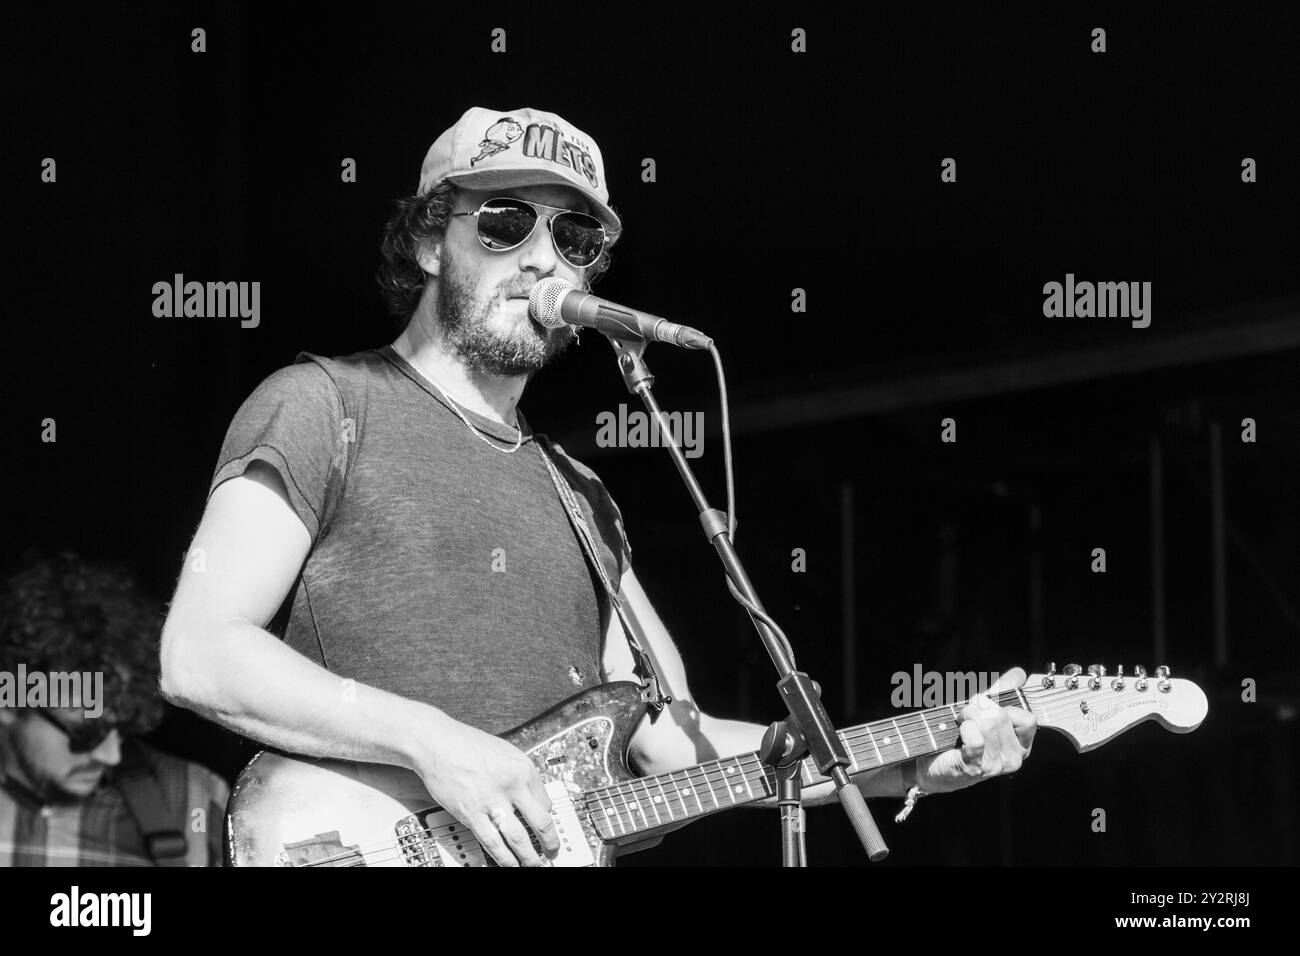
pixel 440 569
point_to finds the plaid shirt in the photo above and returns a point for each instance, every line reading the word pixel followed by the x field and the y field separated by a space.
pixel 99 829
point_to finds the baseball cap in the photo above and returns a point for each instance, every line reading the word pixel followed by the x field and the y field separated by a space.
pixel 488 148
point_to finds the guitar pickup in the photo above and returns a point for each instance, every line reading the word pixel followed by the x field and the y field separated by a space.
pixel 574 849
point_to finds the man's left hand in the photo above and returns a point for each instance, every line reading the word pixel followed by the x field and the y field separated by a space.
pixel 994 740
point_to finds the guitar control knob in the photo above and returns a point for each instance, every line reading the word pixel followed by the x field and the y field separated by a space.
pixel 1049 679
pixel 1141 673
pixel 1072 676
pixel 1095 673
pixel 1118 682
pixel 1164 686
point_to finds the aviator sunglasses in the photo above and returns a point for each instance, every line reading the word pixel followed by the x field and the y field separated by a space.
pixel 506 223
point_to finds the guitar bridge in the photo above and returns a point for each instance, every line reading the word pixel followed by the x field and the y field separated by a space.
pixel 418 847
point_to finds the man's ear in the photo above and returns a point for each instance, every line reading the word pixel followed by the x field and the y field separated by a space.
pixel 7 717
pixel 429 255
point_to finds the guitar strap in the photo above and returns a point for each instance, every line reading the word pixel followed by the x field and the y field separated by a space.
pixel 163 839
pixel 651 692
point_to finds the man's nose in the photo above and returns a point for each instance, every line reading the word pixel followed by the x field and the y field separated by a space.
pixel 109 753
pixel 539 251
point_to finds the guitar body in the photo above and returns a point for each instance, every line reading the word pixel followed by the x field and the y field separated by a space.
pixel 296 811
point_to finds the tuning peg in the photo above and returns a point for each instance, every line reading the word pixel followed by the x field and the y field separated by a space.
pixel 1072 675
pixel 1049 679
pixel 1095 673
pixel 1162 672
pixel 1141 673
pixel 1118 682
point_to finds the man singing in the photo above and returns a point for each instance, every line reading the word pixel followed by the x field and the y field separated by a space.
pixel 399 499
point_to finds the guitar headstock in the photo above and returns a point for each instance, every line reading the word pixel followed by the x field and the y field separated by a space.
pixel 1093 707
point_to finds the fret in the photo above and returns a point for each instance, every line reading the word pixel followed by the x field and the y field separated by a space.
pixel 612 811
pixel 853 758
pixel 695 792
pixel 646 798
pixel 665 796
pixel 708 783
pixel 631 806
pixel 766 781
pixel 744 776
pixel 906 752
pixel 808 776
pixel 872 738
pixel 727 775
pixel 926 724
pixel 698 784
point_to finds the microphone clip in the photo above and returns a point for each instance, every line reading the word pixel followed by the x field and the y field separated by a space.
pixel 631 362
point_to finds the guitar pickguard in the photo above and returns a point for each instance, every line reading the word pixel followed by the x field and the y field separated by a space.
pixel 578 756
pixel 569 762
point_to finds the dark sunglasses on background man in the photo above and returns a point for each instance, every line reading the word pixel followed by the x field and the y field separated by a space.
pixel 82 738
pixel 505 223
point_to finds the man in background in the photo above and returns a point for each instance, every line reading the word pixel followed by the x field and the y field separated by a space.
pixel 77 786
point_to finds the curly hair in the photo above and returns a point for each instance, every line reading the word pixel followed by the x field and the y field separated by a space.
pixel 62 613
pixel 417 219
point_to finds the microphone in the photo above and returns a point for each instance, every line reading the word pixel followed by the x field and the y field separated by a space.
pixel 555 303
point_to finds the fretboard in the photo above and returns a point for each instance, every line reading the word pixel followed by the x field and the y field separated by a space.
pixel 647 803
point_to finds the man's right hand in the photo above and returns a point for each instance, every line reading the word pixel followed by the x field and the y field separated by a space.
pixel 482 780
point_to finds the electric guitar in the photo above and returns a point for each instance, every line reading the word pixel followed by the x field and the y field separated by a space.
pixel 293 811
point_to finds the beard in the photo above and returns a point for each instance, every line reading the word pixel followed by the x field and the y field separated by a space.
pixel 465 321
pixel 47 787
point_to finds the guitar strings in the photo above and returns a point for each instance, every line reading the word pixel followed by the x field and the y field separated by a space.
pixel 713 772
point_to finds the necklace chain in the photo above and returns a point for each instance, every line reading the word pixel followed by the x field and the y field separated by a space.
pixel 455 407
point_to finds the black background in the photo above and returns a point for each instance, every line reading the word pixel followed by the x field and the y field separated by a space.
pixel 775 171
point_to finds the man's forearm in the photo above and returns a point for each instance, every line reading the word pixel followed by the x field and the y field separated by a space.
pixel 247 680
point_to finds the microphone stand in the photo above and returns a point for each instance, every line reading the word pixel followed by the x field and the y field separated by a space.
pixel 808 727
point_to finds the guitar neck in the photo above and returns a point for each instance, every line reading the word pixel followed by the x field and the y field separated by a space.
pixel 647 803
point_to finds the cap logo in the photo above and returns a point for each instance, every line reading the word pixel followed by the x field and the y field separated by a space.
pixel 539 142
pixel 498 138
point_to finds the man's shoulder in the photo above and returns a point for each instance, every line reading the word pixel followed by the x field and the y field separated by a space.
pixel 571 464
pixel 365 361
pixel 316 379
pixel 346 371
